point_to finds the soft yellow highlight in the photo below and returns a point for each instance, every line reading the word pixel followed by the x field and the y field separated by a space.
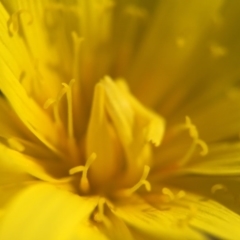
pixel 92 93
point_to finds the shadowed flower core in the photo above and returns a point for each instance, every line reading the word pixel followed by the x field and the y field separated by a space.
pixel 119 119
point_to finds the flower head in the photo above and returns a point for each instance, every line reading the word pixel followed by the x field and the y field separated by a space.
pixel 119 119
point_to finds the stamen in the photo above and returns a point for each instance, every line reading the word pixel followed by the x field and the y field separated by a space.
pixel 76 170
pixel 55 104
pixel 192 128
pixel 188 155
pixel 70 106
pixel 171 196
pixel 169 193
pixel 48 103
pixel 38 74
pixel 77 41
pixel 84 183
pixel 13 23
pixel 15 144
pixel 193 132
pixel 99 216
pixel 218 187
pixel 204 147
pixel 181 194
pixel 142 181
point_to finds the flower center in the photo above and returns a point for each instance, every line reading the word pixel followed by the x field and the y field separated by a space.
pixel 119 140
pixel 113 154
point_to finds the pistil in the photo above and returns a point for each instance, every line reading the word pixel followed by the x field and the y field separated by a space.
pixel 84 183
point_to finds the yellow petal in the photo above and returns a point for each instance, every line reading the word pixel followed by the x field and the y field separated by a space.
pixel 26 65
pixel 204 215
pixel 27 110
pixel 43 52
pixel 12 175
pixel 14 161
pixel 221 188
pixel 10 189
pixel 213 218
pixel 218 119
pixel 223 159
pixel 9 123
pixel 45 212
pixel 161 57
pixel 120 110
pixel 88 231
pixel 117 229
pixel 13 50
pixel 153 124
pixel 154 223
pixel 11 6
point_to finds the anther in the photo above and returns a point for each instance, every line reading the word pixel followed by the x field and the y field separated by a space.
pixel 84 183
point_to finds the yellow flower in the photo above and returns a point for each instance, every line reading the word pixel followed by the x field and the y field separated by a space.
pixel 119 119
